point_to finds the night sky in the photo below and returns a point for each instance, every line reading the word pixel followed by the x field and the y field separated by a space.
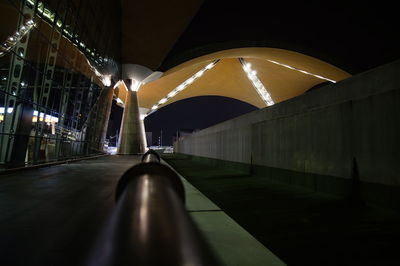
pixel 355 36
pixel 193 114
pixel 185 116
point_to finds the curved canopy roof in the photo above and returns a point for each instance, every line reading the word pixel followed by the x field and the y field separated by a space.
pixel 284 74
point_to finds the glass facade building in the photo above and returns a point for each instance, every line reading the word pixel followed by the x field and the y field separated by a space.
pixel 56 61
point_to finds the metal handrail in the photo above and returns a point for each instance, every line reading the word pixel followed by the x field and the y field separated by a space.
pixel 150 225
pixel 151 156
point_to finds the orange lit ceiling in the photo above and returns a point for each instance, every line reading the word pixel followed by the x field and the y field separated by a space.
pixel 228 79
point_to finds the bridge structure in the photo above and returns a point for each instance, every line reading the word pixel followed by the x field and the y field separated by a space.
pixel 326 91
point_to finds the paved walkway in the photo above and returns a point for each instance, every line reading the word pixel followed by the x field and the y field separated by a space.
pixel 51 216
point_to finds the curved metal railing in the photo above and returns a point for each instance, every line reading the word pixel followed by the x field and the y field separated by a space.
pixel 150 225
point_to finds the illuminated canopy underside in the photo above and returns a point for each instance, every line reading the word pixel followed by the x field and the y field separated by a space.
pixel 227 78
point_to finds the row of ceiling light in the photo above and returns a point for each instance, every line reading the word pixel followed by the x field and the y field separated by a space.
pixel 257 84
pixel 251 75
pixel 12 41
pixel 184 85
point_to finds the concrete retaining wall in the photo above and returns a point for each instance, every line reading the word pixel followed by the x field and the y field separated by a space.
pixel 322 132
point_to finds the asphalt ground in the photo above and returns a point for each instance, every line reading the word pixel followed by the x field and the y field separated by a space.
pixel 53 215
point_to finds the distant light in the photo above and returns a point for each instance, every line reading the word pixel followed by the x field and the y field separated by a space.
pixel 9 110
pixel 59 23
pixel 135 85
pixel 44 117
pixel 106 80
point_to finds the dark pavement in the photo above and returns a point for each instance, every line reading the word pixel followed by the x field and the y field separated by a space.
pixel 51 216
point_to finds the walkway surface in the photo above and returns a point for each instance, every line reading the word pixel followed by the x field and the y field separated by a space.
pixel 300 226
pixel 51 216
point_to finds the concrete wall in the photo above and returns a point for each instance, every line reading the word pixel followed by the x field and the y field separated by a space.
pixel 320 132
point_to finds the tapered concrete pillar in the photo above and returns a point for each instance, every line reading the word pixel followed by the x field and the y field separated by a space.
pixel 95 130
pixel 102 118
pixel 131 137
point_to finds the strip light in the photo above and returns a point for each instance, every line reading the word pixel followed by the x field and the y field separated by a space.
pixel 184 85
pixel 302 71
pixel 16 37
pixel 252 76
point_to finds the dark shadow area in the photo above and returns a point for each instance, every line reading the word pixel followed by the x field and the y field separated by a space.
pixel 355 37
pixel 298 225
pixel 53 215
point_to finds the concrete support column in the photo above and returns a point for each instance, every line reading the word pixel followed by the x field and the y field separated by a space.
pixel 131 138
pixel 102 118
pixel 143 132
